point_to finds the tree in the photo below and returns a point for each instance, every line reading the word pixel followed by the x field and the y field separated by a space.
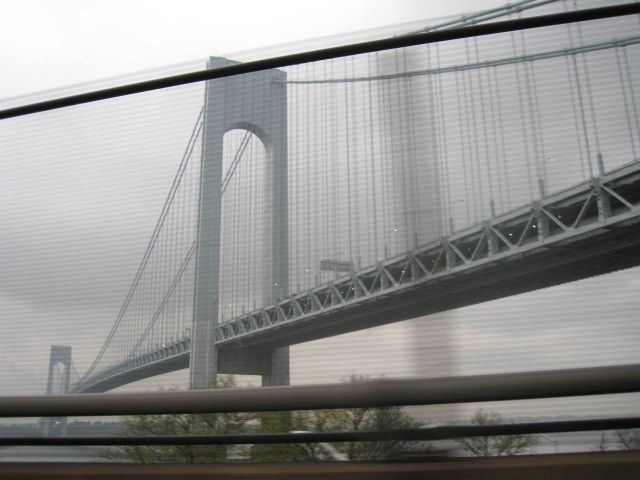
pixel 183 424
pixel 628 439
pixel 366 419
pixel 298 421
pixel 496 445
pixel 603 445
pixel 372 419
pixel 348 419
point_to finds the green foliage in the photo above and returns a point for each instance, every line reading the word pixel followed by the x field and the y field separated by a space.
pixel 497 445
pixel 372 419
pixel 183 424
pixel 299 421
pixel 346 419
pixel 349 419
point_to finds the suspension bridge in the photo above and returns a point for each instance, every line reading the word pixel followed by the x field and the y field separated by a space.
pixel 334 196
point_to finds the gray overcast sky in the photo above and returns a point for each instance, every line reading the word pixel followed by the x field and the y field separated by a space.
pixel 51 44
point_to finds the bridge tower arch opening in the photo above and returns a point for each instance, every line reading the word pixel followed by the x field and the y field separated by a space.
pixel 255 103
pixel 246 231
pixel 58 382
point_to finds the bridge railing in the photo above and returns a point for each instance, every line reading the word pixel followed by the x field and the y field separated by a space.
pixel 381 393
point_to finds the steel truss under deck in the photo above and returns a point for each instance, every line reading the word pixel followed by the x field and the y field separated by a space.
pixel 584 211
pixel 588 229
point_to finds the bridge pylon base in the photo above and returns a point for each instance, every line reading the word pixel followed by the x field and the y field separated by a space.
pixel 272 364
pixel 278 368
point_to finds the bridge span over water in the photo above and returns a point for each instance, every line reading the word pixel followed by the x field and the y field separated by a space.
pixel 589 229
pixel 318 199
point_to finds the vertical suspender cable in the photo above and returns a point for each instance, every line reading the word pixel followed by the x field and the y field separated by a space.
pixel 405 171
pixel 186 233
pixel 174 253
pixel 349 224
pixel 435 142
pixel 145 298
pixel 585 67
pixel 484 130
pixel 166 272
pixel 249 283
pixel 317 211
pixel 297 165
pixel 231 279
pixel 372 166
pixel 582 114
pixel 355 170
pixel 414 172
pixel 492 103
pixel 532 121
pixel 468 141
pixel 522 120
pixel 445 156
pixel 156 295
pixel 226 235
pixel 576 122
pixel 327 198
pixel 478 202
pixel 507 180
pixel 540 128
pixel 230 276
pixel 626 105
pixel 237 233
pixel 463 150
pixel 631 91
pixel 336 177
pixel 580 104
pixel 308 183
pixel 178 249
pixel 384 159
pixel 535 111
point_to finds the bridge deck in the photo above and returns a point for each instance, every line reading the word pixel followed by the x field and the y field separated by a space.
pixel 589 229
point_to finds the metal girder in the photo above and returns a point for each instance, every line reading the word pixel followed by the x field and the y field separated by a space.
pixel 180 347
pixel 556 217
pixel 569 214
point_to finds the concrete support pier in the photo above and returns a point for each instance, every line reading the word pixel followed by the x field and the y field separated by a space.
pixel 256 102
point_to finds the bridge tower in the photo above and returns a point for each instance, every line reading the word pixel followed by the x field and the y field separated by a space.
pixel 60 355
pixel 256 102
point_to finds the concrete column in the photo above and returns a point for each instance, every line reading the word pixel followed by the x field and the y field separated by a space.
pixel 256 102
pixel 278 368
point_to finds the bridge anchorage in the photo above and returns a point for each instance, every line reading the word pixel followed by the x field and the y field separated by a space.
pixel 424 185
